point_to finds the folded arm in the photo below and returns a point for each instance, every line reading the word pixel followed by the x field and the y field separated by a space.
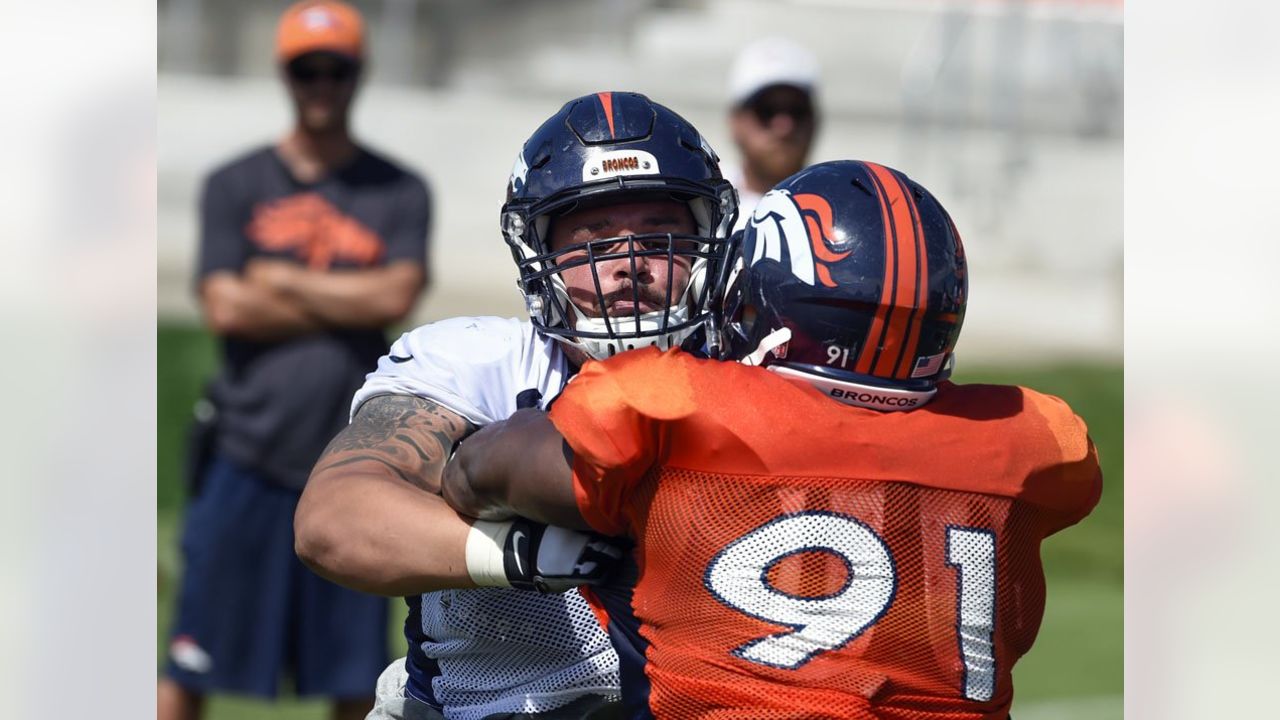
pixel 236 307
pixel 368 297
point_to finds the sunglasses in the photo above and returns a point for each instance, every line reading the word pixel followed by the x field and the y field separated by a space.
pixel 307 73
pixel 766 110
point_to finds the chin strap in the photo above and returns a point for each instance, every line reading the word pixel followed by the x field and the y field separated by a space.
pixel 770 343
pixel 603 348
pixel 851 393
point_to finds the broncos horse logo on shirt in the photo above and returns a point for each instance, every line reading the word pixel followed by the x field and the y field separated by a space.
pixel 799 226
pixel 316 232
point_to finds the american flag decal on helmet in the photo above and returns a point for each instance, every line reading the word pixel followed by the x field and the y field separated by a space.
pixel 928 365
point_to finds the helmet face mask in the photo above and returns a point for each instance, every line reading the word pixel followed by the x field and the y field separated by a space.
pixel 658 313
pixel 864 271
pixel 612 150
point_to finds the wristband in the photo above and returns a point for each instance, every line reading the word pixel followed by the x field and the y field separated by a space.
pixel 485 544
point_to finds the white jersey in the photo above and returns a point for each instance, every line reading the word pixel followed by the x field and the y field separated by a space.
pixel 479 652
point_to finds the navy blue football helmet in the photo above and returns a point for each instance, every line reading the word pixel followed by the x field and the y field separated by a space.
pixel 850 276
pixel 606 148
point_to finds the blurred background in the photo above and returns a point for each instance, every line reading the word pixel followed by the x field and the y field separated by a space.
pixel 1010 111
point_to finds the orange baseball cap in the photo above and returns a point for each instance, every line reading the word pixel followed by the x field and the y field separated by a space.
pixel 320 26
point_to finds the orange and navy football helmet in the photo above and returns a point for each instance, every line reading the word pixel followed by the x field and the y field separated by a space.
pixel 849 276
pixel 605 148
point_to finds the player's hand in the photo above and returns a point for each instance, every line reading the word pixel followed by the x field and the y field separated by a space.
pixel 528 555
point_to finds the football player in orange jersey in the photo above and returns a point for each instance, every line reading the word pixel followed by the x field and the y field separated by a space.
pixel 829 528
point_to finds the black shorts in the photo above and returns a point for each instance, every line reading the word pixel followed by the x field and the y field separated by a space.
pixel 249 611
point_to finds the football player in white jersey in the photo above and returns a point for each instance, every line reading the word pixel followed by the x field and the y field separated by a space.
pixel 617 216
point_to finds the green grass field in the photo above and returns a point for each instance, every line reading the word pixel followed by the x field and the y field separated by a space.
pixel 1074 671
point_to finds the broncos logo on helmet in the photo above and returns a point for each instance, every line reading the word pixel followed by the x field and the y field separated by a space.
pixel 800 226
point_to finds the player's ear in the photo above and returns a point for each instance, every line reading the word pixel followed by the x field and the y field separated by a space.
pixel 740 122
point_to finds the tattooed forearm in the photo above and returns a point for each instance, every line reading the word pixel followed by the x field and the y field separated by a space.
pixel 409 435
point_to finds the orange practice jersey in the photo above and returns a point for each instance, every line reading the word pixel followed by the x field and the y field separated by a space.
pixel 801 558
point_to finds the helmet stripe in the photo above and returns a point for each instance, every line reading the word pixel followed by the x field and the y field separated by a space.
pixel 606 101
pixel 906 363
pixel 871 347
pixel 906 271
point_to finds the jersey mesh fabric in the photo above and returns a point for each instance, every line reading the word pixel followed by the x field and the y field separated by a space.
pixel 802 558
pixel 497 651
pixel 906 664
pixel 513 651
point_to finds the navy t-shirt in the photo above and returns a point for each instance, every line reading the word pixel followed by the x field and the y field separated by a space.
pixel 280 403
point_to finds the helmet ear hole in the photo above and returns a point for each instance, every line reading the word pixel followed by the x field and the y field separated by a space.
pixel 857 182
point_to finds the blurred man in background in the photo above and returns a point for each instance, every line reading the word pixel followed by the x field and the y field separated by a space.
pixel 309 249
pixel 773 118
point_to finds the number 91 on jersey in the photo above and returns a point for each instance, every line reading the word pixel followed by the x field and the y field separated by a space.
pixel 739 576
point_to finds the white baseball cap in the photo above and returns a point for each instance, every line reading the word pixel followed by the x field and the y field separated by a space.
pixel 771 61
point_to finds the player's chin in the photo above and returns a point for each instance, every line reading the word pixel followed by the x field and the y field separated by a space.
pixel 320 116
pixel 627 309
pixel 787 161
pixel 615 313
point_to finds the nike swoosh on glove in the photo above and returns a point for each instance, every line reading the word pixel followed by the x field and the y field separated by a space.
pixel 528 555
